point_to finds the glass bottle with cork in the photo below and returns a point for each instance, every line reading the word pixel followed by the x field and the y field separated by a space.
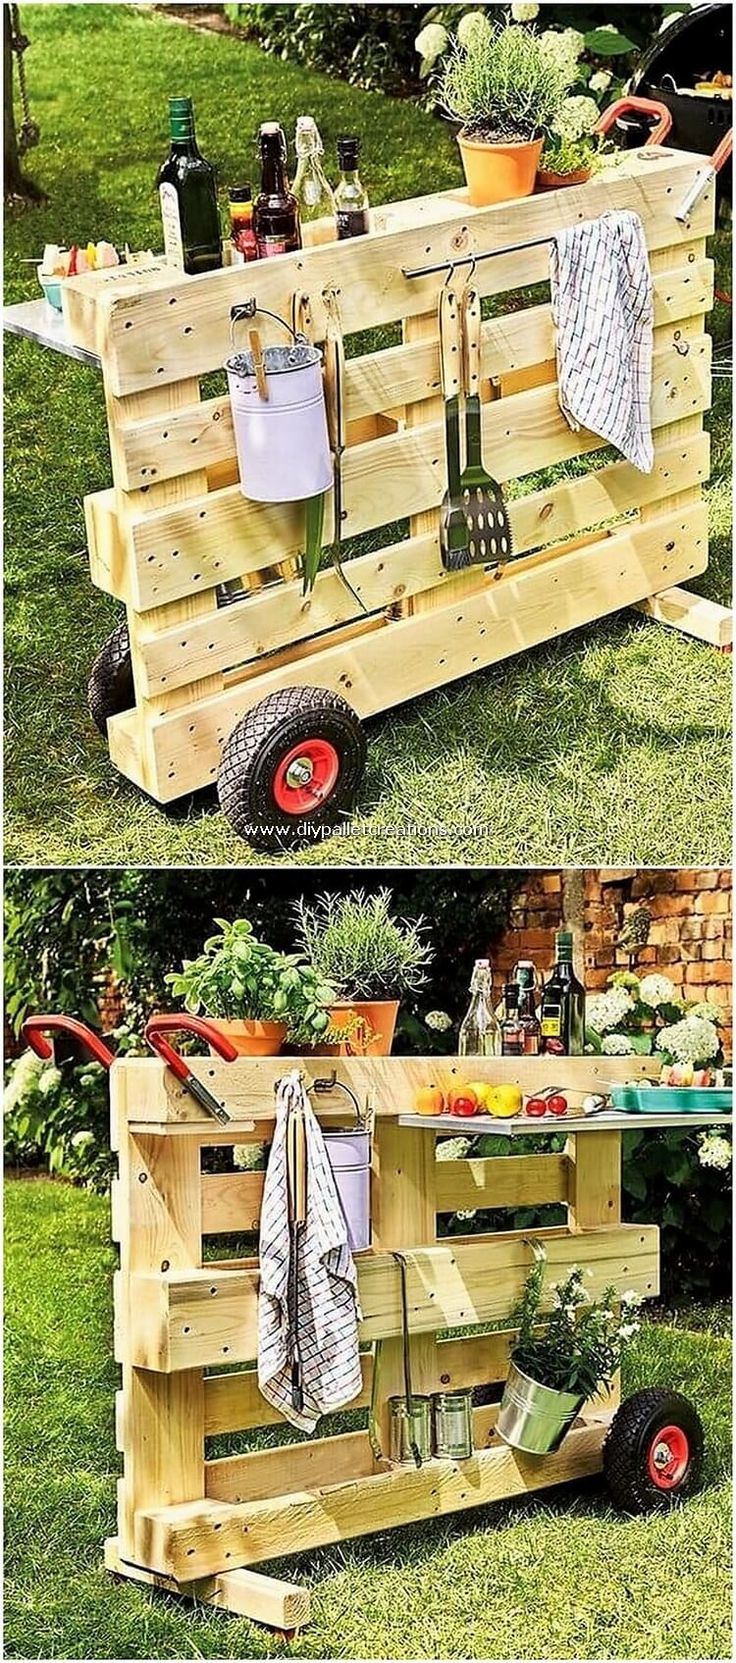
pixel 351 198
pixel 315 197
pixel 563 1004
pixel 480 1034
pixel 187 188
pixel 275 211
pixel 243 245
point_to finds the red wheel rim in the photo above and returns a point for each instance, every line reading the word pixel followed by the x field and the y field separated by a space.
pixel 306 776
pixel 668 1457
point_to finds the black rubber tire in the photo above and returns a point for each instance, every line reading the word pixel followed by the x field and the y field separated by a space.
pixel 254 749
pixel 625 1451
pixel 110 688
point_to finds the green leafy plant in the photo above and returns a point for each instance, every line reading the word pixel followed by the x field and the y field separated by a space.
pixel 577 1347
pixel 572 145
pixel 57 1117
pixel 641 1016
pixel 237 977
pixel 356 943
pixel 506 83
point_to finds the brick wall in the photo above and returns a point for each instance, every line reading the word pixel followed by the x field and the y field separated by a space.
pixel 690 940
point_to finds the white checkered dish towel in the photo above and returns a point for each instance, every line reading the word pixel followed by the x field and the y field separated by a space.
pixel 328 1311
pixel 603 311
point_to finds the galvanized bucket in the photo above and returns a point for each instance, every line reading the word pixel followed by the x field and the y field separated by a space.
pixel 535 1418
pixel 452 1424
pixel 282 441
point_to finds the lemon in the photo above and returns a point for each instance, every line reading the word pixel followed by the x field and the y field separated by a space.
pixel 482 1091
pixel 504 1101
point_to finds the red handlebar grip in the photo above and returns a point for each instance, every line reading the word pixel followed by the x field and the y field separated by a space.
pixel 158 1026
pixel 722 151
pixel 35 1028
pixel 639 106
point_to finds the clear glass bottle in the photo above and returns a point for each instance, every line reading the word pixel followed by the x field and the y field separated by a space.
pixel 480 1034
pixel 315 197
pixel 351 199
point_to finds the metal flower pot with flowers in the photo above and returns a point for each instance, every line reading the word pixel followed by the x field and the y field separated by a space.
pixel 560 1361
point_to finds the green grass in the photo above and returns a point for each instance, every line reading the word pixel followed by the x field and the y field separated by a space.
pixel 558 1576
pixel 608 745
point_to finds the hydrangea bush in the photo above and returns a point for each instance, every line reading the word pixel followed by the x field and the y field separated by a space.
pixel 646 1016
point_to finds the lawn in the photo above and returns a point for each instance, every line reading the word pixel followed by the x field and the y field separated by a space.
pixel 559 1577
pixel 608 745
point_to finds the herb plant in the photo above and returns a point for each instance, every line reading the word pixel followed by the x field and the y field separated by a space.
pixel 579 1347
pixel 356 943
pixel 237 977
pixel 507 84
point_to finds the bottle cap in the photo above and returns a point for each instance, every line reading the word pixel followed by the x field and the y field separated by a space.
pixel 181 118
pixel 178 106
pixel 525 975
pixel 564 938
pixel 307 141
pixel 240 193
pixel 511 993
pixel 348 151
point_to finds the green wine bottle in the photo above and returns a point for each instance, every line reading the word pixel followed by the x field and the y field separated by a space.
pixel 187 187
pixel 563 1005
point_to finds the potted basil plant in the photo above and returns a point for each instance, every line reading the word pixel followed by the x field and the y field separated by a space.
pixel 371 957
pixel 561 1360
pixel 255 995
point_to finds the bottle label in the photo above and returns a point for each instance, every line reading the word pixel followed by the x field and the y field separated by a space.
pixel 531 1045
pixel 171 220
pixel 268 246
pixel 352 222
pixel 552 1023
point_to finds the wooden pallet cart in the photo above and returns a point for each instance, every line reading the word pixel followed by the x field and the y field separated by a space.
pixel 186 1324
pixel 175 528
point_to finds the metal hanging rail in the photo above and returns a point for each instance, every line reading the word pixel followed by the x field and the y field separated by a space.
pixel 466 259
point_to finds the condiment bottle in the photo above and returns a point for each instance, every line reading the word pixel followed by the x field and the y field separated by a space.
pixel 242 236
pixel 275 213
pixel 351 200
pixel 480 1035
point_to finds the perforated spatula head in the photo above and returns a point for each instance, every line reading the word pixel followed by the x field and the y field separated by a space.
pixel 487 527
pixel 453 530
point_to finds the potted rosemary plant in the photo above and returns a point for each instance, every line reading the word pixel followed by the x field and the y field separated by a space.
pixel 562 1359
pixel 258 997
pixel 504 84
pixel 370 957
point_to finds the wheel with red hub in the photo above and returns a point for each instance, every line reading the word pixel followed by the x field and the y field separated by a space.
pixel 292 767
pixel 653 1455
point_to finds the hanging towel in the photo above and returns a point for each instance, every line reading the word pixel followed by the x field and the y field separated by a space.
pixel 328 1311
pixel 603 312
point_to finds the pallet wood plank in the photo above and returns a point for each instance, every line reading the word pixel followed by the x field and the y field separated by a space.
pixel 200 1534
pixel 415 655
pixel 694 615
pixel 501 1181
pixel 263 1599
pixel 210 1316
pixel 148 340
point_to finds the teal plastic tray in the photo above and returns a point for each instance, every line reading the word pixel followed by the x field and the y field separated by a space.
pixel 672 1099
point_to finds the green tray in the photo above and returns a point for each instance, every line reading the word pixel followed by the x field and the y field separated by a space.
pixel 672 1099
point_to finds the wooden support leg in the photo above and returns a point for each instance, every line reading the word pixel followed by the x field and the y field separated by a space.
pixel 264 1599
pixel 594 1199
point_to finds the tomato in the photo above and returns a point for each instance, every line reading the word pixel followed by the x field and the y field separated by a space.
pixel 463 1091
pixel 557 1104
pixel 536 1107
pixel 464 1106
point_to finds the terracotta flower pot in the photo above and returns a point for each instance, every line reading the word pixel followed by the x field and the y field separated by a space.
pixel 254 1039
pixel 548 180
pixel 499 172
pixel 375 1017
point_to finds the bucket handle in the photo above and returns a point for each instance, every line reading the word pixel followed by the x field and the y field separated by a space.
pixel 249 309
pixel 331 1083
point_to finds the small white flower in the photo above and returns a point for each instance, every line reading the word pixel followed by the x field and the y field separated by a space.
pixel 601 81
pixel 522 13
pixel 631 1297
pixel 466 1217
pixel 439 1021
pixel 692 1040
pixel 473 26
pixel 617 1045
pixel 715 1151
pixel 454 1149
pixel 657 990
pixel 606 1011
pixel 575 118
pixel 431 43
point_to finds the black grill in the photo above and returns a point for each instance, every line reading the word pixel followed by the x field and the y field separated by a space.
pixel 692 49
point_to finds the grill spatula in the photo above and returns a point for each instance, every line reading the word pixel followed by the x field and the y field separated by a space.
pixel 487 529
pixel 453 528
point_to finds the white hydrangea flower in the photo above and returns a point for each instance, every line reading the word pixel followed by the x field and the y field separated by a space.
pixel 691 1040
pixel 523 13
pixel 705 1012
pixel 473 26
pixel 607 1010
pixel 23 1078
pixel 715 1150
pixel 657 990
pixel 431 42
pixel 601 81
pixel 439 1020
pixel 617 1045
pixel 455 1149
pixel 563 47
pixel 630 1297
pixel 575 118
pixel 465 1217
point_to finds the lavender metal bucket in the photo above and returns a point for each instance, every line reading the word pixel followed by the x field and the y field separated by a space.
pixel 282 442
pixel 349 1154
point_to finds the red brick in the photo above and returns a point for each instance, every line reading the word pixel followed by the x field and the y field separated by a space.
pixel 552 883
pixel 724 880
pixel 665 929
pixel 672 906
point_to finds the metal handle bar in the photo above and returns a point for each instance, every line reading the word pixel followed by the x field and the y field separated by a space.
pixel 158 1026
pixel 35 1028
pixel 249 309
